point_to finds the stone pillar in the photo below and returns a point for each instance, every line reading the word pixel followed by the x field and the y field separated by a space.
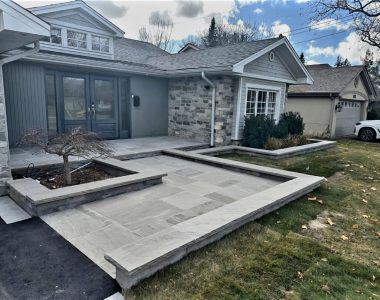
pixel 5 171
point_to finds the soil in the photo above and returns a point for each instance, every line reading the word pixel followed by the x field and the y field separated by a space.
pixel 52 177
pixel 84 175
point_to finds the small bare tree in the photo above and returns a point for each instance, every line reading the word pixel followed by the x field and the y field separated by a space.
pixel 160 31
pixel 77 142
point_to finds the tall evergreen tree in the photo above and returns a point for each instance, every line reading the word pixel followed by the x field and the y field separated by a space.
pixel 339 61
pixel 302 57
pixel 212 36
pixel 342 63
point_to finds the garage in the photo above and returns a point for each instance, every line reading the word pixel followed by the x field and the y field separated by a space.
pixel 346 118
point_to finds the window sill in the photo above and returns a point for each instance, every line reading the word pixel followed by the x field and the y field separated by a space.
pixel 76 51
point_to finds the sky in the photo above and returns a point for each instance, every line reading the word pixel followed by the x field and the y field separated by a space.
pixel 320 42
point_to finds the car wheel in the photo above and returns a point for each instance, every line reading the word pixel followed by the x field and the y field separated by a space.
pixel 367 134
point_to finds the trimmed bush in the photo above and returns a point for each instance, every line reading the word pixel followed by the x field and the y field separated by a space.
pixel 289 141
pixel 259 129
pixel 293 122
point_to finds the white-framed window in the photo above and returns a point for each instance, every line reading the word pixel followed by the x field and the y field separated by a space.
pixel 56 35
pixel 261 102
pixel 76 39
pixel 99 43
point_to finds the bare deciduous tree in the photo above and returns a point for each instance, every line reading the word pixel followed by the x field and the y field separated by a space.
pixel 221 34
pixel 365 16
pixel 77 142
pixel 160 30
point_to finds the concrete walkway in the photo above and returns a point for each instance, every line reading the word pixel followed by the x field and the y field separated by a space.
pixel 22 157
pixel 191 189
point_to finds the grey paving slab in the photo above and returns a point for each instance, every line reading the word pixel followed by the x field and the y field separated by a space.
pixel 10 212
pixel 135 220
pixel 21 157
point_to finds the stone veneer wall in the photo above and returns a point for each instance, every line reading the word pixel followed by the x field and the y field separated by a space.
pixel 4 147
pixel 190 108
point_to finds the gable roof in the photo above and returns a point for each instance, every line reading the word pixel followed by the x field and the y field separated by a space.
pixel 46 9
pixel 330 80
pixel 189 46
pixel 223 56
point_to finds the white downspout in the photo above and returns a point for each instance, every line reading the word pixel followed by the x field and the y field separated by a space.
pixel 212 108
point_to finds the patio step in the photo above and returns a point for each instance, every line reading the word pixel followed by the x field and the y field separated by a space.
pixel 137 261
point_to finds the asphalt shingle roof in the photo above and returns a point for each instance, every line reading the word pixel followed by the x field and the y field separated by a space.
pixel 142 57
pixel 327 79
pixel 210 57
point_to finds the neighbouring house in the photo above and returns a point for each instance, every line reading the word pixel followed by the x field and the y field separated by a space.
pixel 189 47
pixel 87 74
pixel 336 100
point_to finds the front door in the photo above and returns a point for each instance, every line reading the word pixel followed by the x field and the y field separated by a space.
pixel 103 107
pixel 90 102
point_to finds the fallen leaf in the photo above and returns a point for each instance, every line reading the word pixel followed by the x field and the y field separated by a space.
pixel 373 189
pixel 355 226
pixel 278 222
pixel 320 201
pixel 326 288
pixel 304 226
pixel 300 275
pixel 361 167
pixel 329 221
pixel 377 263
pixel 324 259
pixel 312 198
pixel 363 191
pixel 365 201
pixel 344 238
pixel 365 216
pixel 373 278
pixel 346 165
pixel 370 178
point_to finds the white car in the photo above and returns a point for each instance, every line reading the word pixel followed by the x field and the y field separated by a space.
pixel 368 131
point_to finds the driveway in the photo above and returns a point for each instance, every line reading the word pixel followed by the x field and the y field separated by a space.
pixel 37 263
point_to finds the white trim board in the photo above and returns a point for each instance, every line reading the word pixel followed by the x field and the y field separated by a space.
pixel 75 5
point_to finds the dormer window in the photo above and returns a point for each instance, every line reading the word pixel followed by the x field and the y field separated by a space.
pixel 101 44
pixel 76 39
pixel 56 35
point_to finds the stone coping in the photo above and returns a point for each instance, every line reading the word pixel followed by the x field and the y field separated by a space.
pixel 315 145
pixel 135 262
pixel 30 194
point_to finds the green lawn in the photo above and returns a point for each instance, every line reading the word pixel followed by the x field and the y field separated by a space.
pixel 294 253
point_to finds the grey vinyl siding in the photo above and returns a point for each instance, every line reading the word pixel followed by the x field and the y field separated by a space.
pixel 264 67
pixel 79 20
pixel 24 85
pixel 243 94
pixel 151 117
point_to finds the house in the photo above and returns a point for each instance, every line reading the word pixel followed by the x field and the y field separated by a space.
pixel 18 28
pixel 336 100
pixel 87 74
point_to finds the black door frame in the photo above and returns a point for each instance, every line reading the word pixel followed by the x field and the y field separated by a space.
pixel 122 126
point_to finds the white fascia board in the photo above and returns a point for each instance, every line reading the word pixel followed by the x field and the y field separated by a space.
pixel 310 79
pixel 17 18
pixel 275 79
pixel 81 5
pixel 239 67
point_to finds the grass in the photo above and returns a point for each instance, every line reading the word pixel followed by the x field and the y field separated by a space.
pixel 294 253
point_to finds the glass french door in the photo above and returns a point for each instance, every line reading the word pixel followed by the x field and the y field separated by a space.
pixel 90 102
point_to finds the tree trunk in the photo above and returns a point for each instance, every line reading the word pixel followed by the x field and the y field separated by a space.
pixel 66 170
